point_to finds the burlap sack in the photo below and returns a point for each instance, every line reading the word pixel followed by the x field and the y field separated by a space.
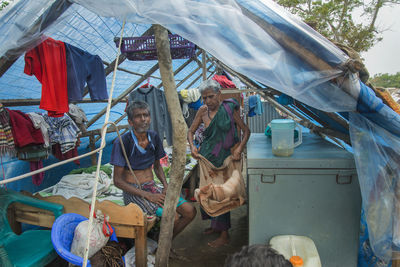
pixel 221 189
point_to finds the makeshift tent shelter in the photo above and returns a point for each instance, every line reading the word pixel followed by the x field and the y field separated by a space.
pixel 255 40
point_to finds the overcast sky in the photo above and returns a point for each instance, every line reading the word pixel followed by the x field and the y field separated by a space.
pixel 384 57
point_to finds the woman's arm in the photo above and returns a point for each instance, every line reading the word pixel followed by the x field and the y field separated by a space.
pixel 195 124
pixel 236 154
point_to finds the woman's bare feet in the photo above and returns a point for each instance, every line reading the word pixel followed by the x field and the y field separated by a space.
pixel 209 231
pixel 222 240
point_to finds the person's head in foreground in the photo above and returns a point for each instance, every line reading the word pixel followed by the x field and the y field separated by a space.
pixel 257 256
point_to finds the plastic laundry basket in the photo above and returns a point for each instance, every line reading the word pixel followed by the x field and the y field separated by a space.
pixel 62 234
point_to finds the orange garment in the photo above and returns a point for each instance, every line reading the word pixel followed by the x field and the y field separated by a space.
pixel 221 189
pixel 47 62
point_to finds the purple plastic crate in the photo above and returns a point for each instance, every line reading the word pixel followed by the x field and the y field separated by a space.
pixel 144 47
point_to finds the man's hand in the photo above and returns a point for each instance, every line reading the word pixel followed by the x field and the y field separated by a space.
pixel 194 151
pixel 156 198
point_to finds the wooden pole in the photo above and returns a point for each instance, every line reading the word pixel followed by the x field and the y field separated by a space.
pixel 179 149
pixel 92 145
pixel 204 64
pixel 181 67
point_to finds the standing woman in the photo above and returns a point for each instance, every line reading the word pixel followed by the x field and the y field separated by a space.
pixel 213 125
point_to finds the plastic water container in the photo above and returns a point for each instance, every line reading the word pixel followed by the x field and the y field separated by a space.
pixel 300 250
pixel 282 134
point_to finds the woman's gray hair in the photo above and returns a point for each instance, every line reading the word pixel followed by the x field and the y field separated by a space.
pixel 209 84
pixel 130 110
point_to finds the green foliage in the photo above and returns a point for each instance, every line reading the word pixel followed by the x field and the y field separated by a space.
pixel 3 4
pixel 386 80
pixel 105 168
pixel 334 19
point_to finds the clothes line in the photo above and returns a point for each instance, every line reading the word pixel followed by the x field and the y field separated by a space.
pixel 35 102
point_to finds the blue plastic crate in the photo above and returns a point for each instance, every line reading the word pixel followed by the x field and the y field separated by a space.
pixel 144 47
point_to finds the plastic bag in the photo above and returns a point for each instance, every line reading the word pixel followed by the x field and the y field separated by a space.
pixel 130 255
pixel 99 237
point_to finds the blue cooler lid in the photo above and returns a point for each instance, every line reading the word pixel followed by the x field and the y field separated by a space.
pixel 283 124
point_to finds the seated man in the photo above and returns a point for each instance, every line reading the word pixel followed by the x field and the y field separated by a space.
pixel 144 149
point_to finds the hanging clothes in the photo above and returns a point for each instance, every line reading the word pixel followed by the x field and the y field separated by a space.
pixel 255 106
pixel 160 119
pixel 224 81
pixel 7 146
pixel 33 153
pixel 78 116
pixel 23 131
pixel 56 150
pixel 37 179
pixel 39 123
pixel 62 131
pixel 47 62
pixel 83 67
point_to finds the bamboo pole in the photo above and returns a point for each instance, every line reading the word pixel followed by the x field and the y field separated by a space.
pixel 187 77
pixel 305 122
pixel 158 86
pixel 129 71
pixel 179 150
pixel 203 63
pixel 324 132
pixel 198 77
pixel 125 93
pixel 181 67
pixel 35 102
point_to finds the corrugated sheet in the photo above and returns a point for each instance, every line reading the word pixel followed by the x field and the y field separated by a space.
pixel 258 123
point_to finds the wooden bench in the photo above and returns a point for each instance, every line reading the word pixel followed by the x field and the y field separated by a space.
pixel 129 221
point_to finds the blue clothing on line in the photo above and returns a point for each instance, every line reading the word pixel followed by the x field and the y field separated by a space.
pixel 196 105
pixel 83 67
pixel 138 158
pixel 255 106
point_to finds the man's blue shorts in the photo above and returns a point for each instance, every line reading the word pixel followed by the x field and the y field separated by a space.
pixel 160 210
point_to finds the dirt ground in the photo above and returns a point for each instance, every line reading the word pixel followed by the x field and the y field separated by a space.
pixel 192 244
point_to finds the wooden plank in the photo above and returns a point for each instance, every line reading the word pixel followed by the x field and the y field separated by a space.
pixel 141 247
pixel 125 219
pixel 130 214
pixel 110 129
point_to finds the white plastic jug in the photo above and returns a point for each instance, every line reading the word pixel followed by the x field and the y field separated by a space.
pixel 282 134
pixel 301 246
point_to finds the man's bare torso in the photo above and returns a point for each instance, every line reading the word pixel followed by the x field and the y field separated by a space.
pixel 143 176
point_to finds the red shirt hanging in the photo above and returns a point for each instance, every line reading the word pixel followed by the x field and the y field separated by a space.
pixel 47 62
